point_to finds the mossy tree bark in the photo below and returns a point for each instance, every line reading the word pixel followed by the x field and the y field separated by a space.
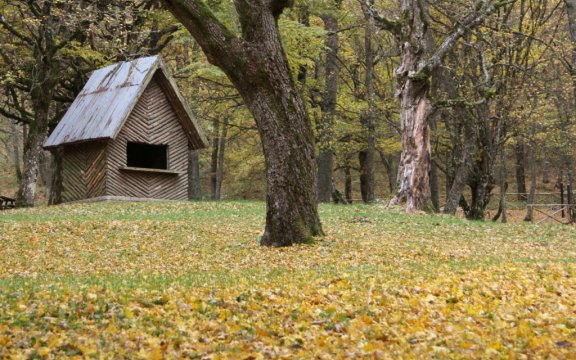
pixel 256 64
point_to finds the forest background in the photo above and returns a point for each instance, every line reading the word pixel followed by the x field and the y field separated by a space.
pixel 503 99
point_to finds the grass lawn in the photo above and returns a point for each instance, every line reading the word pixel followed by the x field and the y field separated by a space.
pixel 178 279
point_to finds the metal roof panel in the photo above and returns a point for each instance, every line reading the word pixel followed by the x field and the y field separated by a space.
pixel 101 108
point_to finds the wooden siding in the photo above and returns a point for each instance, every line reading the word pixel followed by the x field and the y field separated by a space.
pixel 152 121
pixel 84 171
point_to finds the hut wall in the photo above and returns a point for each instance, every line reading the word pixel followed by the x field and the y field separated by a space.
pixel 153 121
pixel 84 171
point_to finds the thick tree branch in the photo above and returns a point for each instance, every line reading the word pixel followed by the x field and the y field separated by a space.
pixel 220 45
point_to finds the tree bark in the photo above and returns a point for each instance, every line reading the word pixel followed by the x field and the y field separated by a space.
pixel 368 118
pixel 31 165
pixel 348 185
pixel 194 179
pixel 419 57
pixel 214 160
pixel 503 188
pixel 257 66
pixel 388 163
pixel 532 163
pixel 545 170
pixel 415 107
pixel 520 173
pixel 328 105
pixel 221 153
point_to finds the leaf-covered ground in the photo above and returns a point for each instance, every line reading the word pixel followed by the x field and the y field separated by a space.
pixel 169 280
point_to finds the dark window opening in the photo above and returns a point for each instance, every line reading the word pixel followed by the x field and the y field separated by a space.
pixel 147 156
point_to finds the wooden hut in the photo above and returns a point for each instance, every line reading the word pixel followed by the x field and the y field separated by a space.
pixel 127 136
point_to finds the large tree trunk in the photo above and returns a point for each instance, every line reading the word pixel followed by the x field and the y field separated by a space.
pixel 419 57
pixel 194 179
pixel 415 159
pixel 325 128
pixel 415 107
pixel 33 147
pixel 256 64
pixel 27 191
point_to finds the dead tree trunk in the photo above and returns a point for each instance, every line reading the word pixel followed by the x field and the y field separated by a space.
pixel 328 106
pixel 419 57
pixel 257 66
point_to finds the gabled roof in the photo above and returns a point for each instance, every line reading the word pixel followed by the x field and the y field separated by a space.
pixel 108 98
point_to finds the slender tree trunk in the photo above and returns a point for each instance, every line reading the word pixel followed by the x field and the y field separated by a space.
pixel 532 163
pixel 461 177
pixel 194 179
pixel 325 128
pixel 214 160
pixel 221 153
pixel 348 185
pixel 503 188
pixel 55 193
pixel 387 162
pixel 545 170
pixel 257 66
pixel 560 174
pixel 520 173
pixel 368 117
